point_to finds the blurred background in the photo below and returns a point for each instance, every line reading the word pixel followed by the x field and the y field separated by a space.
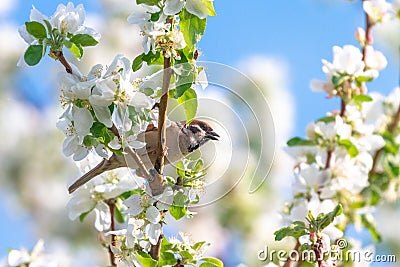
pixel 277 45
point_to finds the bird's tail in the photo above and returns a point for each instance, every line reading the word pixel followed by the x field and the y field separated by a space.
pixel 99 169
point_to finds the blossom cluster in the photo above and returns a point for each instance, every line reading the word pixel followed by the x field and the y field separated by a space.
pixel 348 156
pixel 34 258
pixel 64 28
pixel 161 24
pixel 140 215
pixel 94 103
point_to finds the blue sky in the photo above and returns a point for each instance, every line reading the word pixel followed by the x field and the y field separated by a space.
pixel 299 32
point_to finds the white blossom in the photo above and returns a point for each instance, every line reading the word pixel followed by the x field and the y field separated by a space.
pixel 377 10
pixel 70 19
pixel 35 258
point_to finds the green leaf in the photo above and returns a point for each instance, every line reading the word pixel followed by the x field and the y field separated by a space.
pixel 295 229
pixel 181 89
pixel 97 129
pixel 364 78
pixel 33 54
pixel 167 258
pixel 147 2
pixel 75 49
pixel 84 40
pixel 48 25
pixel 199 245
pixel 153 59
pixel 338 79
pixel 118 215
pixel 362 98
pixel 36 29
pixel 145 259
pixel 155 16
pixel 350 147
pixel 211 262
pixel 180 199
pixel 192 27
pixel 297 141
pixel 180 168
pixel 89 141
pixel 210 7
pixel 177 212
pixel 83 215
pixel 327 219
pixel 189 102
pixel 369 224
pixel 198 166
pixel 137 63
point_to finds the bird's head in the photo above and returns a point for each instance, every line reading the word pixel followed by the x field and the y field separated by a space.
pixel 200 132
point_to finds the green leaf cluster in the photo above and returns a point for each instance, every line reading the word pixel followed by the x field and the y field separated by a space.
pixel 47 36
pixel 315 225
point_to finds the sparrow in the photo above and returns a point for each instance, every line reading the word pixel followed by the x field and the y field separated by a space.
pixel 181 140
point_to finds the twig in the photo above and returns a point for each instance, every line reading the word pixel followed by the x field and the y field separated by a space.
pixel 111 205
pixel 157 186
pixel 155 249
pixel 161 145
pixel 60 56
pixel 368 35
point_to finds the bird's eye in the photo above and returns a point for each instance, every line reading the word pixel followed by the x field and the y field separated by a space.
pixel 194 129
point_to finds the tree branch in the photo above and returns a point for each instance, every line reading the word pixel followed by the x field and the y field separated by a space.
pixel 60 56
pixel 111 205
pixel 155 249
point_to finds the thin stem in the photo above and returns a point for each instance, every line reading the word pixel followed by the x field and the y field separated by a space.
pixel 368 34
pixel 155 249
pixel 60 56
pixel 111 205
pixel 161 145
pixel 157 186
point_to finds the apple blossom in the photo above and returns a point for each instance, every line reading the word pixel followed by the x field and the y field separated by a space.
pixel 377 10
pixel 70 19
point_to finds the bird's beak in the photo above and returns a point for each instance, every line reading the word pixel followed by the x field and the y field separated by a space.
pixel 212 135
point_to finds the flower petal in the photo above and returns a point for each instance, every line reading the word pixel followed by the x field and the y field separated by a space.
pixel 153 215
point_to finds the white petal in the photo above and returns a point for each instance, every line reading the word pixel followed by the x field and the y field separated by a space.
pixel 83 120
pixel 113 65
pixel 80 202
pixel 69 145
pixel 80 153
pixel 197 7
pixel 153 215
pixel 114 144
pixel 140 100
pixel 117 232
pixel 103 114
pixel 17 258
pixel 29 39
pixel 36 15
pixel 103 217
pixel 134 205
pixel 102 151
pixel 173 7
pixel 153 232
pixel 21 62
